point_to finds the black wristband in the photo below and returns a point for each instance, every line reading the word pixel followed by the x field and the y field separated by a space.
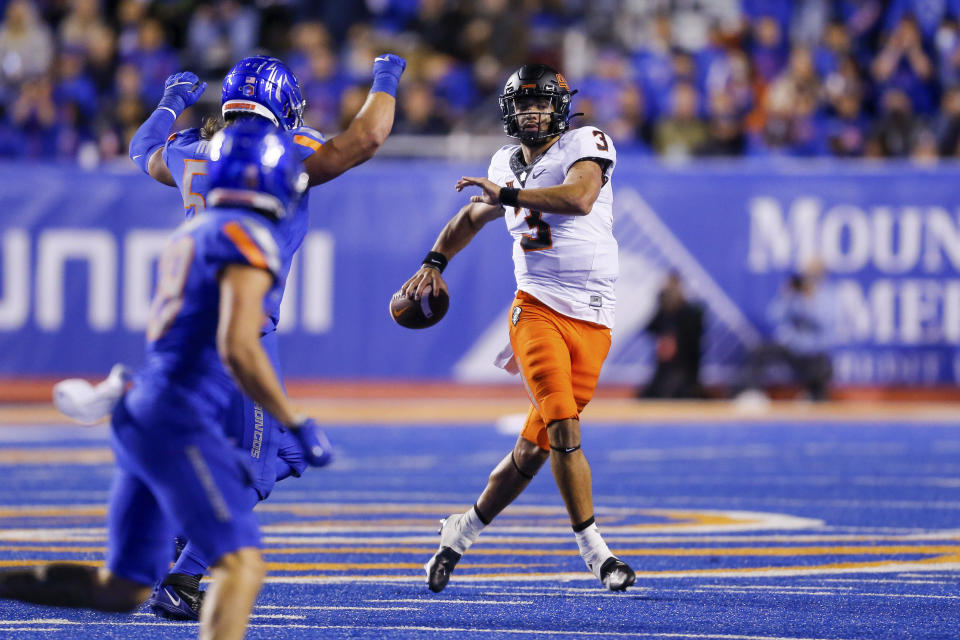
pixel 436 260
pixel 508 196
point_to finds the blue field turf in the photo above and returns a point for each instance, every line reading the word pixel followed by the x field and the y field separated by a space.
pixel 760 530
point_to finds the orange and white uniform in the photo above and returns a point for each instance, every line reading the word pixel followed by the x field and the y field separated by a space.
pixel 566 268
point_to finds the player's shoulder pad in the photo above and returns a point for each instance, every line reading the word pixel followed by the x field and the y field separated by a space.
pixel 253 240
pixel 307 137
pixel 183 138
pixel 234 238
pixel 589 133
pixel 588 143
pixel 181 142
pixel 503 154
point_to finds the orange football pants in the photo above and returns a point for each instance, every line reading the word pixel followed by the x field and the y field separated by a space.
pixel 560 360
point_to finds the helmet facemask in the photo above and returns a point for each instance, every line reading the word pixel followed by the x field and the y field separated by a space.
pixel 555 119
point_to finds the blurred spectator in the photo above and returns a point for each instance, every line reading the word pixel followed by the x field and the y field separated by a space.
pixel 34 114
pixel 610 77
pixel 439 24
pixel 896 129
pixel 783 77
pixel 947 45
pixel 129 15
pixel 807 127
pixel 101 62
pixel 692 21
pixel 340 17
pixel 153 57
pixel 776 135
pixel 808 21
pixel 631 128
pixel 768 52
pixel 803 330
pixel 846 79
pixel 779 11
pixel 948 124
pixel 677 326
pixel 799 81
pixel 682 133
pixel 847 130
pixel 350 102
pixel 74 86
pixel 417 112
pixel 130 109
pixel 927 14
pixel 26 46
pixel 654 67
pixel 903 64
pixel 862 19
pixel 833 47
pixel 220 33
pixel 725 134
pixel 81 26
pixel 924 149
pixel 318 69
pixel 731 75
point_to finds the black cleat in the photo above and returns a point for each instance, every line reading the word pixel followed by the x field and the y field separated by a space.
pixel 439 568
pixel 178 597
pixel 616 575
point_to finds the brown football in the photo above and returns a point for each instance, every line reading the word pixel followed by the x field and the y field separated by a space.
pixel 419 314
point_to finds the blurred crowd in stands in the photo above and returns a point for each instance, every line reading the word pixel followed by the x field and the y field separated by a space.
pixel 675 78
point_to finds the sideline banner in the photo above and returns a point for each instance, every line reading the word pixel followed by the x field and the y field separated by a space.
pixel 78 250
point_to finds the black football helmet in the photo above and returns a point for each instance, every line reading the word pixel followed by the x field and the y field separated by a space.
pixel 539 81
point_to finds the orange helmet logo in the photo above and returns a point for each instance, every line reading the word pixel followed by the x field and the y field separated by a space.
pixel 562 82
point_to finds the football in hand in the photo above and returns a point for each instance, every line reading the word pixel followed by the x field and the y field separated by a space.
pixel 419 314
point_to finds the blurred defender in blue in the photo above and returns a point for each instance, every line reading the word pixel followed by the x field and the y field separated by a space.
pixel 177 471
pixel 259 88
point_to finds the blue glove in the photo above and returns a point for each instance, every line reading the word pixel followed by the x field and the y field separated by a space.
pixel 317 449
pixel 180 91
pixel 387 70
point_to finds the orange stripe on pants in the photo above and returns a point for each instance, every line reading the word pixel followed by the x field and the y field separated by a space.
pixel 560 360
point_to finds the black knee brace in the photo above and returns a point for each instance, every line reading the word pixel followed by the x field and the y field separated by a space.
pixel 525 474
pixel 565 435
pixel 565 450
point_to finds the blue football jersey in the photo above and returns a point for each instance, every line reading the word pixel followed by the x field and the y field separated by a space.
pixel 183 377
pixel 185 155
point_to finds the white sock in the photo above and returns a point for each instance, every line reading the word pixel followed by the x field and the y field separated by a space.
pixel 470 525
pixel 467 526
pixel 593 549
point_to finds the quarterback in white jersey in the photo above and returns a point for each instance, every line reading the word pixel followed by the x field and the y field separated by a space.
pixel 569 262
pixel 553 189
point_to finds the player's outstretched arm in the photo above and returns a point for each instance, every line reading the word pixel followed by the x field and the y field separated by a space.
pixel 574 197
pixel 180 91
pixel 242 289
pixel 456 234
pixel 368 130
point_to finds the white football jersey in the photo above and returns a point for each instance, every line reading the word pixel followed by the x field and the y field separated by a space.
pixel 568 262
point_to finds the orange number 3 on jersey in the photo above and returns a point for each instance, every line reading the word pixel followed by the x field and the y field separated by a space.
pixel 540 239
